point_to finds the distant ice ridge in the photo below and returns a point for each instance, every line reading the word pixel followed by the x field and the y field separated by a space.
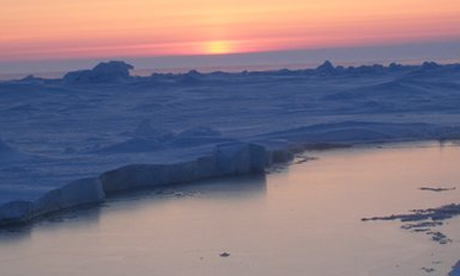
pixel 113 71
pixel 227 159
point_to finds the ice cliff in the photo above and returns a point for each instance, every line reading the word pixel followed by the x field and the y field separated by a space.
pixel 226 160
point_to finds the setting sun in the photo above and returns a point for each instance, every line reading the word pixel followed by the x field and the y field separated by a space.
pixel 63 30
pixel 218 47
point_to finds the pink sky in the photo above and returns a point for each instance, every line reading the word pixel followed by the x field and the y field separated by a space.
pixel 55 29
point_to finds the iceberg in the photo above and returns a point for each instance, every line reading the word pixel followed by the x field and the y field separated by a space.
pixel 113 71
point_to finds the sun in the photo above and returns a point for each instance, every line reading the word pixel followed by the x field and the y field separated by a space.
pixel 218 47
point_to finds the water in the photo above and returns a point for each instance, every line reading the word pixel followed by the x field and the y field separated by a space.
pixel 304 220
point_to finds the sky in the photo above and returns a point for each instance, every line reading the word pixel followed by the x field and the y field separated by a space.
pixel 36 32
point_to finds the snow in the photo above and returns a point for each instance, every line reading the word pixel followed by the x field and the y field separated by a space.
pixel 16 212
pixel 326 68
pixel 113 71
pixel 240 158
pixel 227 159
pixel 10 154
pixel 75 194
pixel 78 193
pixel 6 150
pixel 131 132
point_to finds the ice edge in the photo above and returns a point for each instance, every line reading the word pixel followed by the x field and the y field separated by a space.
pixel 228 159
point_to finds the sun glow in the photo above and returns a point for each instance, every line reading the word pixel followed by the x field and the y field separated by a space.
pixel 101 28
pixel 218 47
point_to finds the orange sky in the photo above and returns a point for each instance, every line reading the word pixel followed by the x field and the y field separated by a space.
pixel 56 29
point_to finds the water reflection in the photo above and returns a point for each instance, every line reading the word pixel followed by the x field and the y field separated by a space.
pixel 305 220
pixel 245 187
pixel 86 216
pixel 15 234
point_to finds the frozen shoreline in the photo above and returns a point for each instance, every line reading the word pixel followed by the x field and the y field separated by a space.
pixel 455 269
pixel 227 160
pixel 91 122
pixel 328 197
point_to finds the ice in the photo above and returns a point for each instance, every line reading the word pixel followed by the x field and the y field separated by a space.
pixel 5 149
pixel 150 175
pixel 16 212
pixel 326 68
pixel 429 65
pixel 78 193
pixel 131 145
pixel 75 194
pixel 130 131
pixel 227 159
pixel 361 131
pixel 240 158
pixel 9 154
pixel 455 270
pixel 146 130
pixel 424 219
pixel 190 78
pixel 113 71
pixel 200 132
